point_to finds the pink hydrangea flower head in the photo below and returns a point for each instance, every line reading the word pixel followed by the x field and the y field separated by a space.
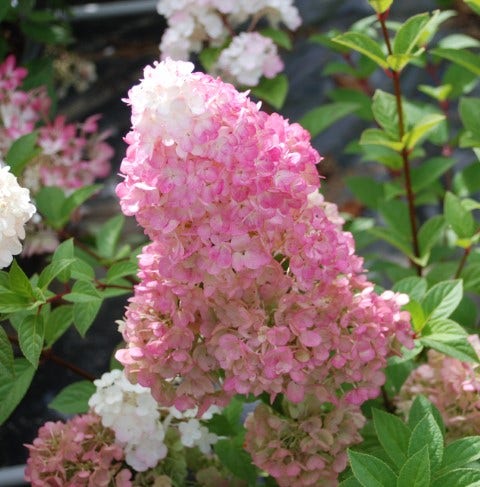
pixel 78 453
pixel 306 446
pixel 452 386
pixel 250 284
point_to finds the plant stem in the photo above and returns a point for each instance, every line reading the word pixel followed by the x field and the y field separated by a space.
pixel 405 152
pixel 462 262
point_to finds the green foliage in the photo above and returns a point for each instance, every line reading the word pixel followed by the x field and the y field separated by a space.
pixel 73 399
pixel 273 91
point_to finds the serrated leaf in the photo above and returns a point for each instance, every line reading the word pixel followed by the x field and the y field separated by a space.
pixel 430 171
pixel 320 118
pixel 453 346
pixel 414 286
pixel 370 471
pixel 417 314
pixel 461 452
pixel 393 238
pixel 57 322
pixel 362 43
pixel 19 282
pixel 20 152
pixel 422 406
pixel 384 108
pixel 393 434
pixel 379 137
pixel 49 201
pixel 366 190
pixel 64 252
pixel 460 477
pixel 462 57
pixel 421 129
pixel 84 315
pixel 416 470
pixel 6 354
pixel 31 332
pixel 233 456
pixel 410 33
pixel 458 217
pixel 77 198
pixel 73 399
pixel 272 90
pixel 11 302
pixel 108 235
pixel 429 233
pixel 469 109
pixel 439 93
pixel 442 299
pixel 427 434
pixel 350 482
pixel 55 268
pixel 380 6
pixel 82 292
pixel 208 57
pixel 121 269
pixel 14 387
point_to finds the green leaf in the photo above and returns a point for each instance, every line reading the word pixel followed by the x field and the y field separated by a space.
pixel 393 238
pixel 54 269
pixel 422 406
pixel 82 292
pixel 107 237
pixel 362 43
pixel 395 214
pixel 46 33
pixel 320 118
pixel 410 33
pixel 384 108
pixel 430 171
pixel 64 252
pixel 461 452
pixel 429 233
pixel 19 282
pixel 31 332
pixel 84 315
pixel 21 151
pixel 450 338
pixel 442 299
pixel 6 353
pixel 396 62
pixel 208 57
pixel 462 57
pixel 370 471
pixel 414 286
pixel 76 199
pixel 460 477
pixel 469 110
pixel 458 217
pixel 417 314
pixel 421 129
pixel 393 435
pixel 121 269
pixel 233 456
pixel 14 387
pixel 427 434
pixel 49 201
pixel 73 399
pixel 4 8
pixel 416 470
pixel 57 322
pixel 439 93
pixel 458 41
pixel 350 482
pixel 272 90
pixel 474 5
pixel 366 190
pixel 11 302
pixel 380 6
pixel 280 37
pixel 379 137
pixel 348 95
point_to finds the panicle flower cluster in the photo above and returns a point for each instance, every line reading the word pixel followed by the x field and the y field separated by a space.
pixel 307 445
pixel 70 155
pixel 78 453
pixel 132 413
pixel 15 210
pixel 250 285
pixel 452 386
pixel 193 23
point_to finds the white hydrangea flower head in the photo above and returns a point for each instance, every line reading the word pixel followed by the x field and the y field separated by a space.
pixel 192 433
pixel 132 413
pixel 15 210
pixel 249 57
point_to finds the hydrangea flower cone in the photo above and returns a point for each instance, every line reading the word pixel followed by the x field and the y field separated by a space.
pixel 249 284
